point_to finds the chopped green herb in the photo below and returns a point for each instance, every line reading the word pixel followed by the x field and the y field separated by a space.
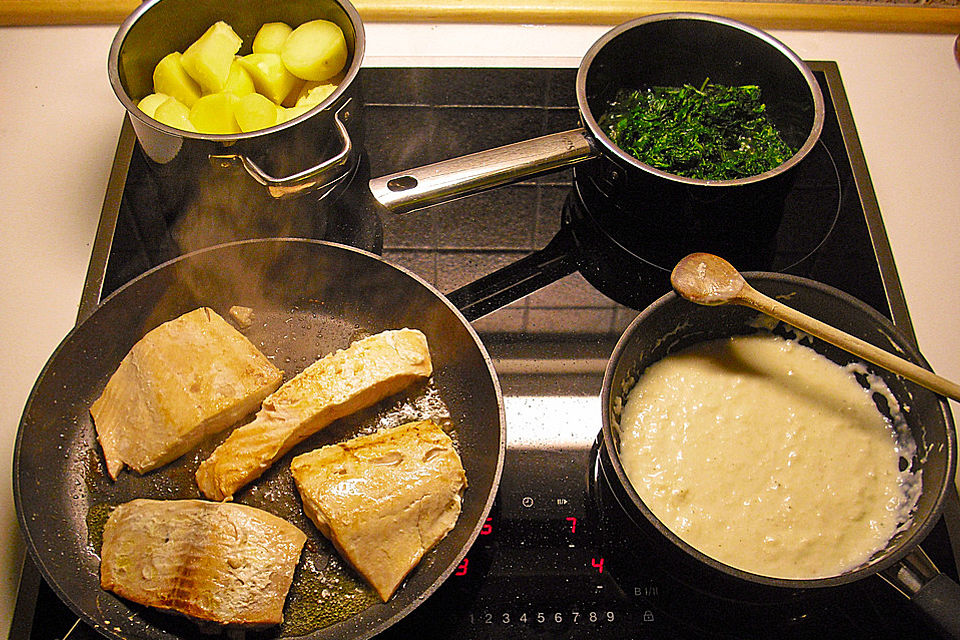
pixel 711 132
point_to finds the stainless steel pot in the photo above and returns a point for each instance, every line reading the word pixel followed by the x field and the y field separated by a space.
pixel 666 49
pixel 315 152
pixel 672 323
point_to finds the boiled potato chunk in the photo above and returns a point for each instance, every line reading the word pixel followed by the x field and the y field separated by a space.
pixel 269 74
pixel 150 103
pixel 270 37
pixel 255 111
pixel 214 113
pixel 315 50
pixel 313 93
pixel 208 59
pixel 289 113
pixel 175 114
pixel 294 95
pixel 170 78
pixel 210 89
pixel 239 81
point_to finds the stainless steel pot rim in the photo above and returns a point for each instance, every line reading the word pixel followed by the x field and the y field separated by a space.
pixel 113 70
pixel 901 546
pixel 591 123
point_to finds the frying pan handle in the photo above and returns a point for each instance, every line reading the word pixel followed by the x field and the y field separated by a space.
pixel 325 174
pixel 934 594
pixel 442 181
pixel 530 273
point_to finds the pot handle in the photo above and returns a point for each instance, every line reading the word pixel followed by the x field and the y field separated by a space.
pixel 457 177
pixel 324 174
pixel 935 594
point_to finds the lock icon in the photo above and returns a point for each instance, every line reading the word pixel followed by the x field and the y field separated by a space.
pixel 648 616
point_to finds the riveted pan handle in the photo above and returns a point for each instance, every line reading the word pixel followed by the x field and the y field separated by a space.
pixel 322 175
pixel 933 593
pixel 449 179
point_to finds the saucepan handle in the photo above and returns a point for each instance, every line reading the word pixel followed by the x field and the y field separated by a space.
pixel 325 174
pixel 449 179
pixel 933 593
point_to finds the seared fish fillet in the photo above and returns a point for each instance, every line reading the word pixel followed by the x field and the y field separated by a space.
pixel 224 563
pixel 384 499
pixel 186 379
pixel 335 386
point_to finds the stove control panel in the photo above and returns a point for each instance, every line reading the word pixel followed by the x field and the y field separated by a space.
pixel 540 567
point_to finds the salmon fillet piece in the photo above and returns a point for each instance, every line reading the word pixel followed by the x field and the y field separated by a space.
pixel 222 563
pixel 337 385
pixel 384 499
pixel 184 380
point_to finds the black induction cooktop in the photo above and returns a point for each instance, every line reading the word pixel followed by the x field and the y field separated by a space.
pixel 555 559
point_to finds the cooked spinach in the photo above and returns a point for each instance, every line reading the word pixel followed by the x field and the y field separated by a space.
pixel 711 132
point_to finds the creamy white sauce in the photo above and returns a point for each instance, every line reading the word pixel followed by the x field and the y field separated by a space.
pixel 768 457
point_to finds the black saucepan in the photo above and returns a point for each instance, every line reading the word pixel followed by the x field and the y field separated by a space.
pixel 672 323
pixel 668 49
pixel 628 217
pixel 308 298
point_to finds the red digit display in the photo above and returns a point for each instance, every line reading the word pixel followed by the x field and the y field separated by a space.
pixel 597 564
pixel 573 524
pixel 462 569
pixel 487 527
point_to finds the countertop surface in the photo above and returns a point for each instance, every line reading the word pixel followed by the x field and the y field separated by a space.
pixel 928 16
pixel 60 121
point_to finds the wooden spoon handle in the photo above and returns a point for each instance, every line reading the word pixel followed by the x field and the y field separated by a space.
pixel 754 299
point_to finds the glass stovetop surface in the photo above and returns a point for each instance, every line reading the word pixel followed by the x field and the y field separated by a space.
pixel 553 560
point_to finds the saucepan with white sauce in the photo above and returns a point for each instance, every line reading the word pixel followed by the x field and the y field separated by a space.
pixel 777 460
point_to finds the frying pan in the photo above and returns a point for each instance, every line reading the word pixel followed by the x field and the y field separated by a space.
pixel 308 298
pixel 672 323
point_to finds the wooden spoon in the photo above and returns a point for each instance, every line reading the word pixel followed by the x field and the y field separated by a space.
pixel 710 280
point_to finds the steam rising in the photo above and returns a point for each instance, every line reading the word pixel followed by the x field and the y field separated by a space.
pixel 229 205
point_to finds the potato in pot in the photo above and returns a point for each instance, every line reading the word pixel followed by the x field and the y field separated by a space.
pixel 291 70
